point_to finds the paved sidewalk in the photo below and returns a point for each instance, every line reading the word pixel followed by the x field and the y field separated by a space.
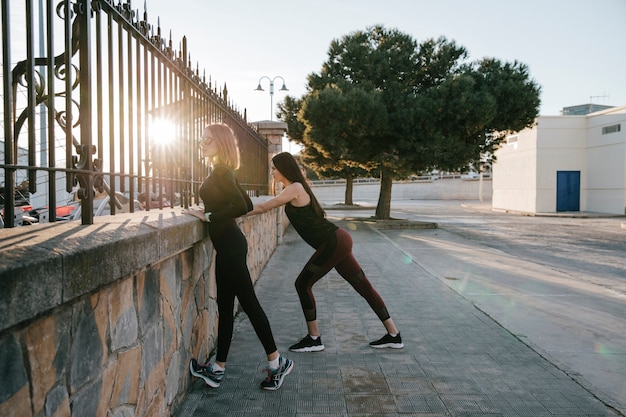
pixel 456 360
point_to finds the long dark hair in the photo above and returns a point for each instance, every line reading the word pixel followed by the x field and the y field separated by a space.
pixel 289 167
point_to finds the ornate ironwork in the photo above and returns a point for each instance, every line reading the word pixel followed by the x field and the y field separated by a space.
pixel 160 82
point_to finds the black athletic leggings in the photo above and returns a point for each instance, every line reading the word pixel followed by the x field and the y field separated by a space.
pixel 233 280
pixel 340 257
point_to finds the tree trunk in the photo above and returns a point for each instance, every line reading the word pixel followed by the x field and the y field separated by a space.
pixel 349 189
pixel 383 209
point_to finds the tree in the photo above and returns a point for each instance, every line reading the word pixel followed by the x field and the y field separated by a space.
pixel 288 112
pixel 346 117
pixel 380 64
pixel 381 101
pixel 476 109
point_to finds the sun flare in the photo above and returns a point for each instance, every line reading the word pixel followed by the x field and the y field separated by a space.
pixel 162 131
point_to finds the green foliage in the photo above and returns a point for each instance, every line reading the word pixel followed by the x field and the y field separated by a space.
pixel 338 122
pixel 288 112
pixel 383 102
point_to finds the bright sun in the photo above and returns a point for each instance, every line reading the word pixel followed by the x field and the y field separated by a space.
pixel 162 131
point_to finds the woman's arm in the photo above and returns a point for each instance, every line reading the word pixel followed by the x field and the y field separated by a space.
pixel 289 193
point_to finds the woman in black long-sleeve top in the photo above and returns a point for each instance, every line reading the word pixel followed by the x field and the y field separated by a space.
pixel 225 200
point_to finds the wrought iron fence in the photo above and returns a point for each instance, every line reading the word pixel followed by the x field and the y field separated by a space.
pixel 106 115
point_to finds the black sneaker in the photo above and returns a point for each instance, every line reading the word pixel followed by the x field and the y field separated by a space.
pixel 388 341
pixel 275 377
pixel 307 344
pixel 211 378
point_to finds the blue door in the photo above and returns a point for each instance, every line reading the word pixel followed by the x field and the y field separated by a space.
pixel 568 191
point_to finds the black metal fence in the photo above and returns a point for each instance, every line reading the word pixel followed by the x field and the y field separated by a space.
pixel 106 114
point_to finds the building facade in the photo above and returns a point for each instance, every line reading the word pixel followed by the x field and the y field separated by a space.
pixel 564 164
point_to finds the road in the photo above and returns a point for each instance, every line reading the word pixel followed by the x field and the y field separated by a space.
pixel 556 283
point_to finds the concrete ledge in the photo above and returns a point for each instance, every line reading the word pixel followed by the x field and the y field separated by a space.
pixel 43 266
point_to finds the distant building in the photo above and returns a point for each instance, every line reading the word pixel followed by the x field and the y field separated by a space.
pixel 40 198
pixel 22 159
pixel 564 163
pixel 583 109
pixel 21 177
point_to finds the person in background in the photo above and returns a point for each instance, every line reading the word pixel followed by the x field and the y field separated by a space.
pixel 333 249
pixel 224 200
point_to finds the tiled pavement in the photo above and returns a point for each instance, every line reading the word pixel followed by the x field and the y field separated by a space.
pixel 456 360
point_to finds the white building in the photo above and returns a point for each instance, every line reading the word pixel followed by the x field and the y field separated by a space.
pixel 564 163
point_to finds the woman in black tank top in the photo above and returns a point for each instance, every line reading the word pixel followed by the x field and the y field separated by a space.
pixel 224 200
pixel 333 249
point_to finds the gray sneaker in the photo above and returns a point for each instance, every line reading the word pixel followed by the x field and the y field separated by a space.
pixel 211 377
pixel 275 377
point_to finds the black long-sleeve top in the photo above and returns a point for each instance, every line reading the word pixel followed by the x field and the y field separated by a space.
pixel 223 196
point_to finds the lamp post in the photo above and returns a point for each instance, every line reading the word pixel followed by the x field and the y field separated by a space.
pixel 271 80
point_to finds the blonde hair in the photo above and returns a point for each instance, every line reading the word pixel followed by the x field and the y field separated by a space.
pixel 227 148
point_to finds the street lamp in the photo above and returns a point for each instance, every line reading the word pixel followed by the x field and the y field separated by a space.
pixel 271 80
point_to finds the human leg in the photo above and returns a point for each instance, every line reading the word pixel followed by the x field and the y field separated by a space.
pixel 312 342
pixel 225 308
pixel 311 273
pixel 244 291
pixel 304 287
pixel 233 279
pixel 352 272
pixel 278 366
pixel 320 263
pixel 213 373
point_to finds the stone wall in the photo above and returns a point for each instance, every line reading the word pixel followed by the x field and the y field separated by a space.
pixel 101 320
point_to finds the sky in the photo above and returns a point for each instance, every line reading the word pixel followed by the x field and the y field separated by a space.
pixel 574 49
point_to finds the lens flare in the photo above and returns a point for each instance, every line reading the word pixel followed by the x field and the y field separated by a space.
pixel 603 349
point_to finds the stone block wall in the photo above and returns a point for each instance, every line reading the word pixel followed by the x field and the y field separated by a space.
pixel 101 320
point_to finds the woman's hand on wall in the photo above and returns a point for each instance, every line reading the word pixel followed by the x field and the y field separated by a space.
pixel 196 213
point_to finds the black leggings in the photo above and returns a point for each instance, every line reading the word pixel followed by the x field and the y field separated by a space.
pixel 233 280
pixel 340 257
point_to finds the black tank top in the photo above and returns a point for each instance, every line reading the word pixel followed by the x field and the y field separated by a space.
pixel 315 230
